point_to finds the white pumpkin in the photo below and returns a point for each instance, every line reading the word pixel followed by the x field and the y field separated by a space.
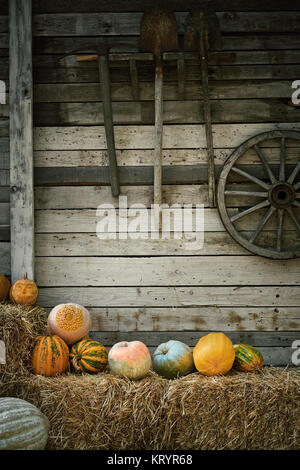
pixel 22 425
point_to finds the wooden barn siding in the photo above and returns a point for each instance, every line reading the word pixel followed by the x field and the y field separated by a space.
pixel 4 149
pixel 253 299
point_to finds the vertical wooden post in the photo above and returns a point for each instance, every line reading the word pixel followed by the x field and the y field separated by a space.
pixel 21 139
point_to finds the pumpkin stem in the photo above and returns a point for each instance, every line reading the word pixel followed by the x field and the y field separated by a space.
pixel 164 351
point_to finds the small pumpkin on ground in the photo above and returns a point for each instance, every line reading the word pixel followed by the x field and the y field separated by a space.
pixel 214 354
pixel 173 359
pixel 24 291
pixel 71 322
pixel 89 356
pixel 4 287
pixel 50 356
pixel 130 359
pixel 23 426
pixel 247 358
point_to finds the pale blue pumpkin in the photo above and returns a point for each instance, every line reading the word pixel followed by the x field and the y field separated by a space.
pixel 173 359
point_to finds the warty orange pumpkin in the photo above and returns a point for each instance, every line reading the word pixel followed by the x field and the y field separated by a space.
pixel 24 291
pixel 50 356
pixel 214 354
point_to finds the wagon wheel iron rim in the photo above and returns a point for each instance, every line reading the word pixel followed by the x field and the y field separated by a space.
pixel 278 193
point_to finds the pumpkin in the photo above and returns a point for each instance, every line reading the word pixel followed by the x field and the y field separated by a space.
pixel 130 359
pixel 50 356
pixel 23 426
pixel 214 354
pixel 88 356
pixel 71 322
pixel 173 359
pixel 24 291
pixel 247 358
pixel 4 287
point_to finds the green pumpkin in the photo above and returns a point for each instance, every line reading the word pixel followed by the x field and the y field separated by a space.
pixel 173 359
pixel 247 358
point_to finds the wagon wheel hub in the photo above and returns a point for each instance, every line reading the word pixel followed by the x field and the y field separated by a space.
pixel 264 217
pixel 282 195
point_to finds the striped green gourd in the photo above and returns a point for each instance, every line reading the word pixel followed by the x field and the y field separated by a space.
pixel 88 356
pixel 247 358
pixel 22 425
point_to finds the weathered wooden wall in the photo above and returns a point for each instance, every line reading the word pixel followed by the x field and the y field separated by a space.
pixel 4 149
pixel 156 290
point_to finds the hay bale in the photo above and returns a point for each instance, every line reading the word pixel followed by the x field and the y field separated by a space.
pixel 19 325
pixel 237 411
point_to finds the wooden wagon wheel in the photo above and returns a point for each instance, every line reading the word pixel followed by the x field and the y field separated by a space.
pixel 278 190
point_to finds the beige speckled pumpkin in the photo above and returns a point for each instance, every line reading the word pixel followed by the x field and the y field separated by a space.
pixel 71 322
pixel 4 287
pixel 22 425
pixel 24 291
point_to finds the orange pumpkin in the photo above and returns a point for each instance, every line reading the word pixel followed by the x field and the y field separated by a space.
pixel 72 322
pixel 214 354
pixel 50 356
pixel 4 287
pixel 24 291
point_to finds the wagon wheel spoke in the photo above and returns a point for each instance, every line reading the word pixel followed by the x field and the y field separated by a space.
pixel 279 229
pixel 282 160
pixel 250 210
pixel 265 164
pixel 246 193
pixel 293 217
pixel 262 223
pixel 251 177
pixel 272 197
pixel 294 174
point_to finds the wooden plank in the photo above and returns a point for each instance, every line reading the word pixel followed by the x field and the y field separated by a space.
pixel 4 177
pixel 238 296
pixel 68 6
pixel 4 127
pixel 141 137
pixel 4 213
pixel 4 42
pixel 5 258
pixel 122 60
pixel 21 139
pixel 87 244
pixel 258 339
pixel 3 24
pixel 192 174
pixel 4 194
pixel 4 161
pixel 88 197
pixel 4 233
pixel 62 45
pixel 122 74
pixel 156 271
pixel 174 157
pixel 89 92
pixel 195 319
pixel 112 24
pixel 85 221
pixel 174 112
